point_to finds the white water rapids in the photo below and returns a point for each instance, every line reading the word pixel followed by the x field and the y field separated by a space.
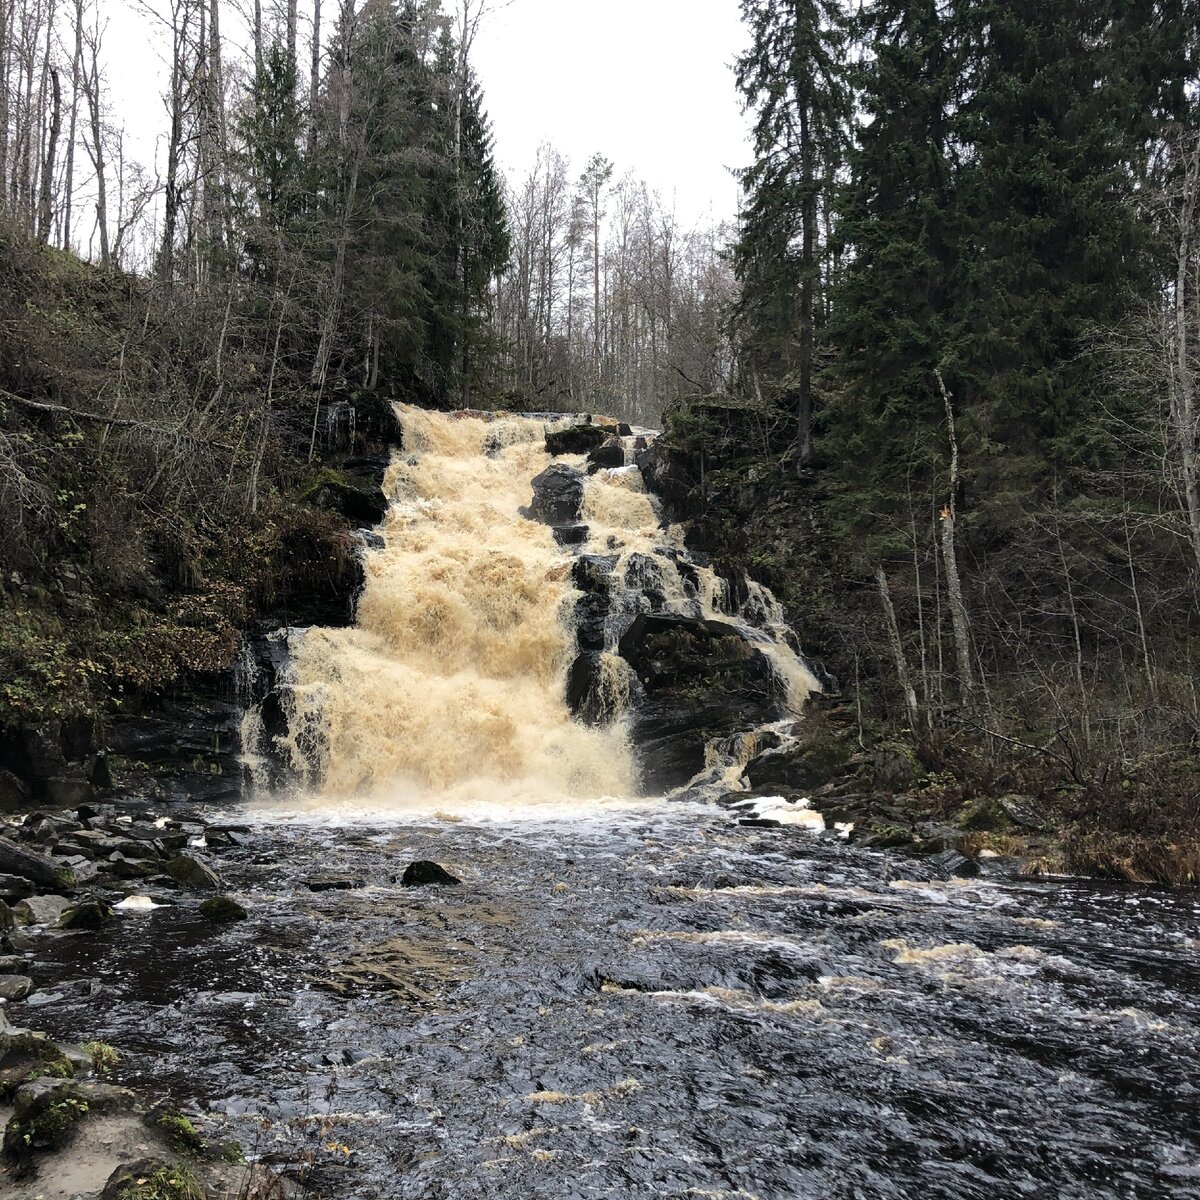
pixel 448 696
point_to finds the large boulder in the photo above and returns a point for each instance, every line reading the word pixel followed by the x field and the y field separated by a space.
pixel 557 496
pixel 578 439
pixel 29 864
pixel 699 680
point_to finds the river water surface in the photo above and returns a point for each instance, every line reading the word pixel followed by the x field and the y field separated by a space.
pixel 660 1002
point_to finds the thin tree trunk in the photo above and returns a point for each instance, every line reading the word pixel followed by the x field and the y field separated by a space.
pixel 45 201
pixel 808 219
pixel 5 40
pixel 958 609
pixel 314 78
pixel 1185 383
pixel 897 648
pixel 69 182
pixel 91 90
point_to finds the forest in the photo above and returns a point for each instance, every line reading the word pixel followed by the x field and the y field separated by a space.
pixel 935 384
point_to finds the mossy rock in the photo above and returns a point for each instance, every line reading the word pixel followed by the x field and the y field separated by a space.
pixel 45 1116
pixel 181 1135
pixel 152 1179
pixel 25 1056
pixel 221 910
pixel 984 815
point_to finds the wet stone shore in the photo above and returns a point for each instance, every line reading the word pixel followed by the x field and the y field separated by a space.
pixel 655 1001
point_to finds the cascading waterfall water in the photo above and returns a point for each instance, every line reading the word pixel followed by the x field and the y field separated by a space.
pixel 450 690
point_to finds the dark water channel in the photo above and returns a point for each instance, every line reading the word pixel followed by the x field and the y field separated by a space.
pixel 661 1004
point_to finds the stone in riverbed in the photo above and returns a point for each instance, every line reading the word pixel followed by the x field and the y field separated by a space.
pixel 15 987
pixel 41 910
pixel 608 454
pixel 557 496
pixel 16 887
pixel 192 872
pixel 17 860
pixel 423 873
pixel 90 913
pixel 221 910
pixel 333 883
pixel 578 439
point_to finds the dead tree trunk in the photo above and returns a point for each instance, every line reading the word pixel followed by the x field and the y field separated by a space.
pixel 958 609
pixel 95 147
pixel 897 647
pixel 72 129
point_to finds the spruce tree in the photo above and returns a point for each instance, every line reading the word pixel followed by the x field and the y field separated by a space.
pixel 891 304
pixel 794 79
pixel 1049 242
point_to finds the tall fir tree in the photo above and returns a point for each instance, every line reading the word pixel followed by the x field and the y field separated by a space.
pixel 794 78
pixel 892 302
pixel 1049 240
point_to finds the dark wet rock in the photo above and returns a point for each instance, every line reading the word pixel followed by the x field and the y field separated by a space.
pixel 41 910
pixel 557 496
pixel 69 790
pixel 18 860
pixel 15 987
pixel 571 535
pixel 11 964
pixel 583 686
pixel 222 910
pixel 950 863
pixel 192 741
pixel 644 574
pixel 333 883
pixel 7 920
pixel 14 792
pixel 16 887
pixel 359 500
pixel 193 872
pixel 818 757
pixel 593 572
pixel 423 873
pixel 624 429
pixel 121 867
pixel 700 681
pixel 760 823
pixel 578 439
pixel 608 454
pixel 89 913
pixel 591 622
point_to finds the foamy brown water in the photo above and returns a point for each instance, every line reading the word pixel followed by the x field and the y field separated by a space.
pixel 451 688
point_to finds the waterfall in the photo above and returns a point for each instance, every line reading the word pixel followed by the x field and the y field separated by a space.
pixel 451 689
pixel 451 686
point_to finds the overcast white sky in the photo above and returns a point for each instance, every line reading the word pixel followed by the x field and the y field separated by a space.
pixel 648 83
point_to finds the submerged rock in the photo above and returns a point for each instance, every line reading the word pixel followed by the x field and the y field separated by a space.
pixel 221 910
pixel 424 873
